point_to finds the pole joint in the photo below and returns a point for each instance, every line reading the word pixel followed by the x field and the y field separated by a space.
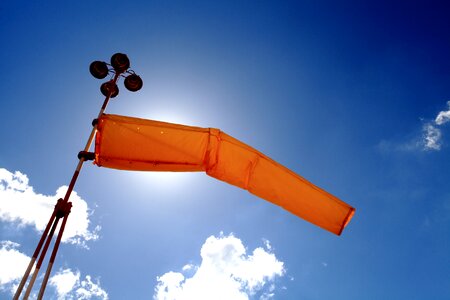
pixel 62 208
pixel 86 155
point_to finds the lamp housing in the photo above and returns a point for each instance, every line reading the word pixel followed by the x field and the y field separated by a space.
pixel 133 82
pixel 120 62
pixel 99 69
pixel 110 89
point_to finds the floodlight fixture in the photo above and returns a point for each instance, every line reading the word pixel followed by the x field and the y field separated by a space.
pixel 133 82
pixel 99 69
pixel 109 89
pixel 120 62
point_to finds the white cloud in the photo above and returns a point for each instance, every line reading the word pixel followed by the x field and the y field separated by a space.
pixel 13 264
pixel 267 244
pixel 226 272
pixel 64 281
pixel 21 204
pixel 432 134
pixel 69 286
pixel 431 137
pixel 443 116
pixel 188 267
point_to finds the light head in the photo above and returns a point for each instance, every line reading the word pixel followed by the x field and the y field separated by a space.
pixel 99 69
pixel 133 82
pixel 110 89
pixel 120 62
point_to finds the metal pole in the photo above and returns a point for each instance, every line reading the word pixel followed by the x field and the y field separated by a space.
pixel 41 258
pixel 55 222
pixel 55 250
pixel 88 145
pixel 35 255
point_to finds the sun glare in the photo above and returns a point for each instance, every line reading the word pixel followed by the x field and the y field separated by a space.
pixel 166 115
pixel 167 110
pixel 164 182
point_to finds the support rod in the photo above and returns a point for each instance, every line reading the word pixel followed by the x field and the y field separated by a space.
pixel 55 250
pixel 88 144
pixel 35 255
pixel 41 258
pixel 54 219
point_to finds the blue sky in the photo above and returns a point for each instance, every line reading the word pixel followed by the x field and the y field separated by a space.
pixel 351 95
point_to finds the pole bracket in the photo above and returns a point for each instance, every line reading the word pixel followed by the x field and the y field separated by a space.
pixel 86 155
pixel 62 208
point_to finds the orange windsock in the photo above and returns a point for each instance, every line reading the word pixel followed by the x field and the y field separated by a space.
pixel 127 143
